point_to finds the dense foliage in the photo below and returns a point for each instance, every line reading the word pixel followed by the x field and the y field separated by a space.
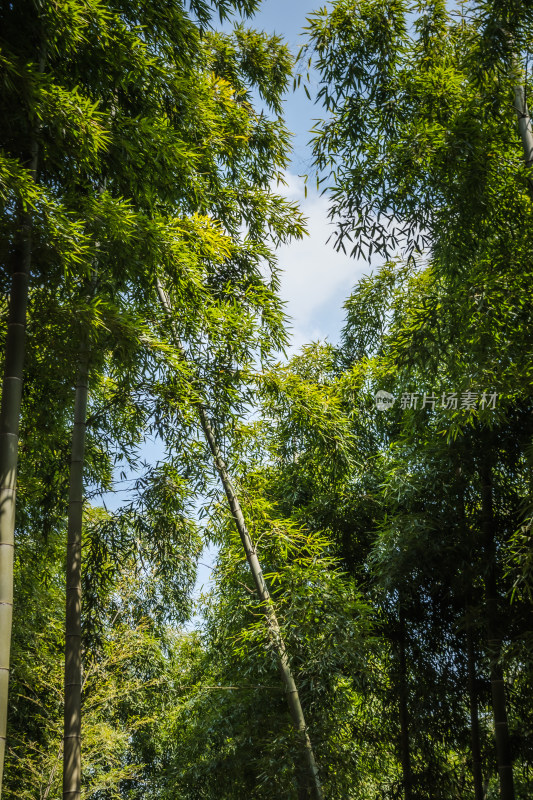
pixel 140 150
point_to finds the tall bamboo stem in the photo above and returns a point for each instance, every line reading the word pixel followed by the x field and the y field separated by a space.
pixel 293 697
pixel 291 691
pixel 497 686
pixel 524 124
pixel 73 663
pixel 471 681
pixel 405 744
pixel 477 773
pixel 9 436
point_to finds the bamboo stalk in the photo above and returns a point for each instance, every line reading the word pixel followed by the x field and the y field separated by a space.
pixel 293 697
pixel 471 675
pixel 9 436
pixel 524 124
pixel 475 743
pixel 403 708
pixel 497 685
pixel 73 662
pixel 291 691
pixel 524 119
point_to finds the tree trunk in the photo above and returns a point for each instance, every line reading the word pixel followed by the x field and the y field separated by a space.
pixel 302 790
pixel 291 691
pixel 9 436
pixel 524 124
pixel 293 698
pixel 73 666
pixel 471 678
pixel 477 773
pixel 405 748
pixel 499 705
pixel 525 130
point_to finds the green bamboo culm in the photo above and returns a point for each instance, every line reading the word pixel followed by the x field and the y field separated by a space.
pixel 73 660
pixel 494 641
pixel 9 436
pixel 475 742
pixel 309 770
pixel 403 708
pixel 291 690
pixel 525 129
pixel 524 124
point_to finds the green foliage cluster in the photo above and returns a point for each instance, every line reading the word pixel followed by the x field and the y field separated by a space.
pixel 396 544
pixel 416 520
pixel 131 151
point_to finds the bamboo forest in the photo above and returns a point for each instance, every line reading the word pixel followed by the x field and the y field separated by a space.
pixel 266 424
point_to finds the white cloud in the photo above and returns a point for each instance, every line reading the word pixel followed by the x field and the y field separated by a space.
pixel 316 280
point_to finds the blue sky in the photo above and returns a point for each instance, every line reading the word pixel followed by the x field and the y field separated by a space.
pixel 316 280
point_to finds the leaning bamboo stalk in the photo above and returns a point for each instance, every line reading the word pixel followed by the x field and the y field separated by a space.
pixel 73 661
pixel 494 641
pixel 9 436
pixel 291 691
pixel 293 698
